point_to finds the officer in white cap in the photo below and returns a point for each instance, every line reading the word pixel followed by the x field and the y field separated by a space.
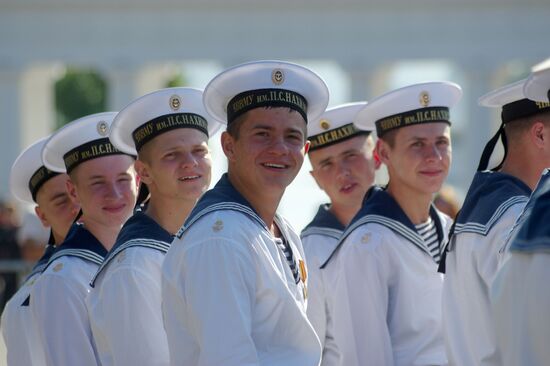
pixel 32 183
pixel 168 130
pixel 343 166
pixel 103 181
pixel 234 280
pixel 492 205
pixel 387 257
pixel 519 295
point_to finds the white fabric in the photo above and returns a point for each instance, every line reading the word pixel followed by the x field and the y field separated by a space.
pixel 520 300
pixel 59 312
pixel 18 329
pixel 387 300
pixel 229 297
pixel 125 310
pixel 317 249
pixel 471 266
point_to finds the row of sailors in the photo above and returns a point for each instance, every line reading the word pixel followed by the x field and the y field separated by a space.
pixel 231 286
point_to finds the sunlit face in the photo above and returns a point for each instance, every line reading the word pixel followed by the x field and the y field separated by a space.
pixel 176 164
pixel 55 208
pixel 106 189
pixel 269 151
pixel 345 171
pixel 420 158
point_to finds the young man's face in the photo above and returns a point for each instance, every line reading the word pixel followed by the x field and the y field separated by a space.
pixel 106 189
pixel 345 171
pixel 55 209
pixel 269 152
pixel 176 164
pixel 420 156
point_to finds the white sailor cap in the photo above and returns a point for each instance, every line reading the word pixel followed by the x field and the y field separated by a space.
pixel 244 87
pixel 159 112
pixel 414 104
pixel 335 125
pixel 537 85
pixel 81 140
pixel 28 173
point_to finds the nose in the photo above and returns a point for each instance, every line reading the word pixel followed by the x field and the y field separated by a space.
pixel 188 160
pixel 278 146
pixel 342 170
pixel 433 153
pixel 113 191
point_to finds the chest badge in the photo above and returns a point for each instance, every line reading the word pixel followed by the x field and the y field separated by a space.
pixel 218 226
pixel 58 267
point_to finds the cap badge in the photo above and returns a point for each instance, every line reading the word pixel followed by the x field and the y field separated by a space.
pixel 325 125
pixel 102 128
pixel 175 102
pixel 424 98
pixel 277 76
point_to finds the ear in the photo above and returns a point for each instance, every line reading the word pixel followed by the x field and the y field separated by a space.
pixel 71 190
pixel 539 135
pixel 142 171
pixel 41 216
pixel 382 152
pixel 306 147
pixel 228 146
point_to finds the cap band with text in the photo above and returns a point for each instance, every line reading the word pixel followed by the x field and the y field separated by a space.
pixel 88 151
pixel 414 117
pixel 334 136
pixel 41 176
pixel 521 109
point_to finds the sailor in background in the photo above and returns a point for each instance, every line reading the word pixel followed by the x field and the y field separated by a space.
pixel 103 181
pixel 32 183
pixel 388 256
pixel 343 166
pixel 520 297
pixel 492 205
pixel 168 130
pixel 234 285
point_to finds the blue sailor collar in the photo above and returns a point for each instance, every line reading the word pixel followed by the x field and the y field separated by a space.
pixel 490 195
pixel 43 261
pixel 324 223
pixel 533 232
pixel 139 231
pixel 222 197
pixel 381 208
pixel 82 244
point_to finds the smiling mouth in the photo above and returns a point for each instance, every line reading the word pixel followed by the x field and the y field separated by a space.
pixel 190 177
pixel 347 187
pixel 275 166
pixel 114 209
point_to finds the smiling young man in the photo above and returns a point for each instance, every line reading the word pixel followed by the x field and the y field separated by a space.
pixel 32 183
pixel 234 280
pixel 494 202
pixel 343 166
pixel 387 257
pixel 168 130
pixel 103 181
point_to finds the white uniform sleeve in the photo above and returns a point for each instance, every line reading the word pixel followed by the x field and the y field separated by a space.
pixel 520 299
pixel 131 317
pixel 360 301
pixel 218 283
pixel 59 312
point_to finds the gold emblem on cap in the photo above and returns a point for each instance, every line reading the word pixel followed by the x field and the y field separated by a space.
pixel 102 128
pixel 424 98
pixel 278 77
pixel 58 267
pixel 175 102
pixel 325 124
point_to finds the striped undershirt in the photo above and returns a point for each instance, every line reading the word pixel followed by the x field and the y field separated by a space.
pixel 428 232
pixel 285 248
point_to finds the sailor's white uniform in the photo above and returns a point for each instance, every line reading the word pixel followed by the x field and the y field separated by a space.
pixel 124 305
pixel 58 300
pixel 229 295
pixel 319 239
pixel 520 296
pixel 388 295
pixel 492 206
pixel 18 328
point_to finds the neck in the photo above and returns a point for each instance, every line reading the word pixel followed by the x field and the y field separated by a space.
pixel 106 235
pixel 265 203
pixel 170 214
pixel 58 238
pixel 344 213
pixel 416 205
pixel 524 167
